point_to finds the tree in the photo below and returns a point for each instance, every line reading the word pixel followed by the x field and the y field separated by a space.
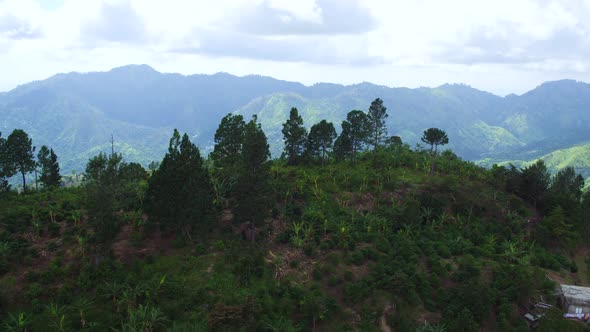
pixel 355 131
pixel 556 229
pixel 535 181
pixel 19 151
pixel 47 160
pixel 434 137
pixel 4 172
pixel 228 141
pixel 320 139
pixel 567 182
pixel 294 136
pixel 226 155
pixel 180 193
pixel 253 186
pixel 378 129
pixel 103 186
pixel 343 144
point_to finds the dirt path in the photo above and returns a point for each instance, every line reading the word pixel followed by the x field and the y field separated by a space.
pixel 388 310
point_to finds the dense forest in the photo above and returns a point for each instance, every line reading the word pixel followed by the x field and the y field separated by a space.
pixel 355 231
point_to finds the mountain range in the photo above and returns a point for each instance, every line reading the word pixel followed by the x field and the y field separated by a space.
pixel 76 113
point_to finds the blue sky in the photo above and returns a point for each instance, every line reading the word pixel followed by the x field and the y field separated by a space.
pixel 50 4
pixel 501 46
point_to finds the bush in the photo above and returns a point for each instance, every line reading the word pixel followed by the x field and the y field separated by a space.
pixel 574 267
pixel 348 275
pixel 357 257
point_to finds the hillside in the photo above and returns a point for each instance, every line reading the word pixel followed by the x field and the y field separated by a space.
pixel 77 113
pixel 369 246
pixel 577 156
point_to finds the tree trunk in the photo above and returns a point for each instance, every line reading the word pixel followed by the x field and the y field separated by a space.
pixel 24 183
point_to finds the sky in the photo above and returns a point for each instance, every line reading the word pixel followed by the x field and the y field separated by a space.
pixel 500 46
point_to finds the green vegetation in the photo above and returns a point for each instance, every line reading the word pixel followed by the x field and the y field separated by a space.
pixel 239 242
pixel 76 114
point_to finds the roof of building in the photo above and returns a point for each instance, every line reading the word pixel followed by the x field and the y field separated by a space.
pixel 578 294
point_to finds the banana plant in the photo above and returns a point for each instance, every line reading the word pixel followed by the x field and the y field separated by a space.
pixel 18 323
pixel 57 313
pixel 82 305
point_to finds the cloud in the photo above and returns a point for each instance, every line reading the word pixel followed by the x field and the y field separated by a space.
pixel 116 22
pixel 319 32
pixel 512 45
pixel 321 17
pixel 345 49
pixel 12 27
pixel 547 32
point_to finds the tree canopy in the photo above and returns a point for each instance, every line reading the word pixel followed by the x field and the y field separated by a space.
pixel 377 116
pixel 180 194
pixel 229 137
pixel 434 137
pixel 355 131
pixel 253 185
pixel 47 160
pixel 4 171
pixel 320 140
pixel 294 137
pixel 19 155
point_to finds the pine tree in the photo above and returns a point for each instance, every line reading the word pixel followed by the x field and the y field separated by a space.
pixel 343 144
pixel 294 136
pixel 101 182
pixel 179 192
pixel 378 129
pixel 228 141
pixel 434 137
pixel 4 173
pixel 47 160
pixel 320 140
pixel 355 131
pixel 253 187
pixel 226 155
pixel 19 151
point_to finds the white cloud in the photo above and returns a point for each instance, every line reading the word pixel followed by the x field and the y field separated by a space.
pixel 502 46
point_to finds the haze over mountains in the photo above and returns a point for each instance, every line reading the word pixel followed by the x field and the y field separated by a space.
pixel 77 113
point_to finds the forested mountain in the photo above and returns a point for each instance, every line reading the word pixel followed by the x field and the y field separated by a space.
pixel 77 113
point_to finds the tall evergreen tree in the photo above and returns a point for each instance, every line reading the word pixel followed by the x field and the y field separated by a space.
pixel 294 136
pixel 4 173
pixel 343 144
pixel 378 129
pixel 179 192
pixel 47 160
pixel 253 187
pixel 19 151
pixel 535 182
pixel 228 141
pixel 226 155
pixel 320 140
pixel 103 186
pixel 566 182
pixel 355 131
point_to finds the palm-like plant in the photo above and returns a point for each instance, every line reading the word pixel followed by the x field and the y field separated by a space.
pixel 144 318
pixel 5 249
pixel 57 312
pixel 112 290
pixel 75 216
pixel 280 324
pixel 427 327
pixel 298 239
pixel 82 305
pixel 18 323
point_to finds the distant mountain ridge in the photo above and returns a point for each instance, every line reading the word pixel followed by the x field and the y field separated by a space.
pixel 76 113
